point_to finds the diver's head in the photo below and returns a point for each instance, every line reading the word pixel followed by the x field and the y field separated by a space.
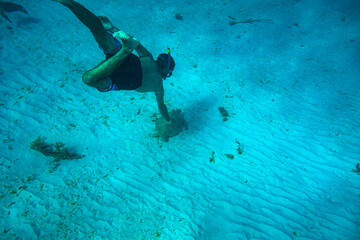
pixel 166 64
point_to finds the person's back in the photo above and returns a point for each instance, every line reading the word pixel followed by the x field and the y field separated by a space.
pixel 152 80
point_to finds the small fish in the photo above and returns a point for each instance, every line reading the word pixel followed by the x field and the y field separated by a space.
pixel 10 7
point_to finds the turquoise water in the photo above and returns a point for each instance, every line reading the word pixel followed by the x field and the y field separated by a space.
pixel 279 167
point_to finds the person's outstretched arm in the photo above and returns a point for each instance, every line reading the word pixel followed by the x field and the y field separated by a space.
pixel 161 105
pixel 175 122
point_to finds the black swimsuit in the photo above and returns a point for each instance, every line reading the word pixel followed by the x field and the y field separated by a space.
pixel 126 77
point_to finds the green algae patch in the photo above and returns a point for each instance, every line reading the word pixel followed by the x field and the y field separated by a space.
pixel 357 170
pixel 58 151
pixel 224 113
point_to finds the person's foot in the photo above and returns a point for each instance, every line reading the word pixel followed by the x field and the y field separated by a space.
pixel 128 41
pixel 107 24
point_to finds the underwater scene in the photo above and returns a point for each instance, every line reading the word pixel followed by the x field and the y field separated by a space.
pixel 188 120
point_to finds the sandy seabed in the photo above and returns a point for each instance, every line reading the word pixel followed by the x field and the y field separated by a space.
pixel 280 167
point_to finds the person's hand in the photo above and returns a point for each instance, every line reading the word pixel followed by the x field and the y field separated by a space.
pixel 121 35
pixel 128 41
pixel 177 123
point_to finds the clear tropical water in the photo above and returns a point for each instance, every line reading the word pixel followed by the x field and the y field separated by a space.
pixel 279 167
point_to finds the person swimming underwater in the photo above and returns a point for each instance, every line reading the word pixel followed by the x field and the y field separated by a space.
pixel 123 70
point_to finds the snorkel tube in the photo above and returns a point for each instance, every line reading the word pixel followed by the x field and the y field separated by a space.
pixel 167 73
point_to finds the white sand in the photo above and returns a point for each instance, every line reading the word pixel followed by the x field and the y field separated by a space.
pixel 291 88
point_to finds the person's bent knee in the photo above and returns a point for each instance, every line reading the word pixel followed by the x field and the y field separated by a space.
pixel 87 79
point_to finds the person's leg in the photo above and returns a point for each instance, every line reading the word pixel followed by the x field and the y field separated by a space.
pixel 97 77
pixel 91 21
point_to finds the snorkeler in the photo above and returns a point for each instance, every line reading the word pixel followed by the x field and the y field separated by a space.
pixel 123 70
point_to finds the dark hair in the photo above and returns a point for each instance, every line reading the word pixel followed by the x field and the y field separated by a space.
pixel 162 61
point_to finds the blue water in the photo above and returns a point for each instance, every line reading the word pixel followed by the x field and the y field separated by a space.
pixel 282 165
